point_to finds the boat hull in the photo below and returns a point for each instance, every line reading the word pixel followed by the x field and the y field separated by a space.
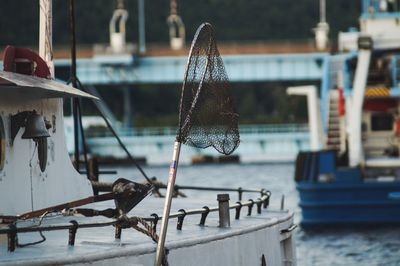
pixel 362 203
pixel 342 195
pixel 267 234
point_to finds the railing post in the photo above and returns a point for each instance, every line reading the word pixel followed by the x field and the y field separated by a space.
pixel 72 232
pixel 238 208
pixel 181 217
pixel 259 205
pixel 266 201
pixel 155 221
pixel 12 238
pixel 240 191
pixel 118 231
pixel 204 215
pixel 250 207
pixel 223 208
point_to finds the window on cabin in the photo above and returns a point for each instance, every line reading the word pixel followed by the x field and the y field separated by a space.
pixel 382 122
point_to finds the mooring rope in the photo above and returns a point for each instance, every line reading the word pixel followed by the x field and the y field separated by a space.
pixel 148 230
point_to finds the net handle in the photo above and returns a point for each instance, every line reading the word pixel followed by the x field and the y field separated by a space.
pixel 177 148
pixel 194 102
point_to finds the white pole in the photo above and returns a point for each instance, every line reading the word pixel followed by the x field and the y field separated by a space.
pixel 322 29
pixel 167 205
pixel 356 153
pixel 142 31
pixel 314 119
pixel 322 11
pixel 45 33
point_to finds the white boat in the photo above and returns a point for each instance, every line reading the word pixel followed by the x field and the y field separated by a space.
pixel 40 192
pixel 351 174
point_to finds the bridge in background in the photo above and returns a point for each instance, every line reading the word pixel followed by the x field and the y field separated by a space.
pixel 259 143
pixel 125 69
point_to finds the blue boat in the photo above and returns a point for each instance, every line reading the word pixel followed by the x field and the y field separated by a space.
pixel 352 172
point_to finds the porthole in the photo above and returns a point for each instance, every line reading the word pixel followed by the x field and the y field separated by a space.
pixel 2 144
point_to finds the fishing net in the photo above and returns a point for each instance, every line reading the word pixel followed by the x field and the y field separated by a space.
pixel 207 115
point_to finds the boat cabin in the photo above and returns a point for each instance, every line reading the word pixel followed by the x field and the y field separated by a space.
pixel 33 154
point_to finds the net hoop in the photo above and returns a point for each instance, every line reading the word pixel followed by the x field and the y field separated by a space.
pixel 187 119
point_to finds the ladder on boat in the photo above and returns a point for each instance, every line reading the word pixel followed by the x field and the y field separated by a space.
pixel 335 138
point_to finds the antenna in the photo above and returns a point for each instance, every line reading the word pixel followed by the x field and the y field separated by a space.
pixel 322 11
pixel 142 32
pixel 322 30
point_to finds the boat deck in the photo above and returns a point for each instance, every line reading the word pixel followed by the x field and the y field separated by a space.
pixel 99 244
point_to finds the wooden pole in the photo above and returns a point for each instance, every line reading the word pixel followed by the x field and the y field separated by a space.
pixel 46 33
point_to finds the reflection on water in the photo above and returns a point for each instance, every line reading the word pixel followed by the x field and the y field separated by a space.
pixel 323 246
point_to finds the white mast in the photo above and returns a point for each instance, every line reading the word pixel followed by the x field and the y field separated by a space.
pixel 46 33
pixel 322 29
pixel 356 153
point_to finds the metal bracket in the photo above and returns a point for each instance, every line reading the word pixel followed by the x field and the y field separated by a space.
pixel 289 229
pixel 72 232
pixel 266 201
pixel 238 208
pixel 204 215
pixel 181 217
pixel 259 203
pixel 17 121
pixel 12 237
pixel 155 221
pixel 118 231
pixel 240 191
pixel 250 207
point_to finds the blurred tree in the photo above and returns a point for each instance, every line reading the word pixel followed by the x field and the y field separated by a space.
pixel 233 19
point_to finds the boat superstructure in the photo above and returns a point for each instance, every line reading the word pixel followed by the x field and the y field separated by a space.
pixel 42 221
pixel 352 170
pixel 31 165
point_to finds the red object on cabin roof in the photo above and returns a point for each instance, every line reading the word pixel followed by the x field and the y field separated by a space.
pixel 341 108
pixel 379 105
pixel 25 61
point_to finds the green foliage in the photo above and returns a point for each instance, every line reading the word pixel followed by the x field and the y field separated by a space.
pixel 233 19
pixel 257 103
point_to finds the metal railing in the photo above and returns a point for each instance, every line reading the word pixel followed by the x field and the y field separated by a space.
pixel 127 222
pixel 171 131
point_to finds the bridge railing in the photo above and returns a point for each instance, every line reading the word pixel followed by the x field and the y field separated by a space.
pixel 171 131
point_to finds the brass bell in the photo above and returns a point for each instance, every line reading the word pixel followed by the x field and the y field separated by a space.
pixel 35 127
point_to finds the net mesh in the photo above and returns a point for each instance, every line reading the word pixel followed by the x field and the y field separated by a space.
pixel 207 114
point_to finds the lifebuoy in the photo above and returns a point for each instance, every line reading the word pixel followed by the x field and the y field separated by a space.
pixel 13 54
